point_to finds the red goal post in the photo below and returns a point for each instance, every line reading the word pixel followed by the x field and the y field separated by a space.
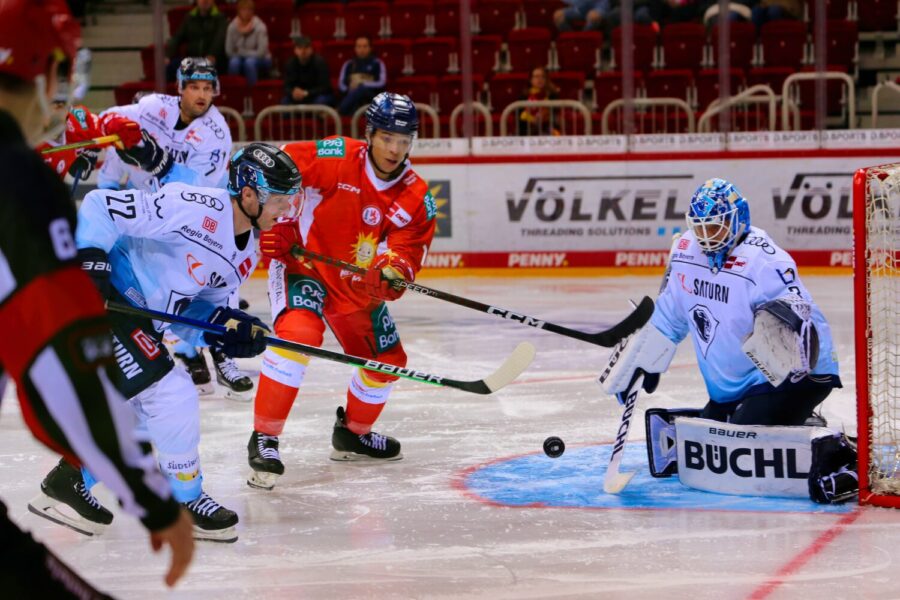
pixel 876 285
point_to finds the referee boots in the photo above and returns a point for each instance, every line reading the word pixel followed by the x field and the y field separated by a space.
pixel 65 500
pixel 349 446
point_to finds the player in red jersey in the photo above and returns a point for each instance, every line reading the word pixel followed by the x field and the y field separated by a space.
pixel 362 203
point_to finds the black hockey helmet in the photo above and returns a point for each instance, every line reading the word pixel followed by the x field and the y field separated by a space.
pixel 264 169
pixel 197 69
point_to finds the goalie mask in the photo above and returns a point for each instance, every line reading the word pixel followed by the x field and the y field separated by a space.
pixel 719 217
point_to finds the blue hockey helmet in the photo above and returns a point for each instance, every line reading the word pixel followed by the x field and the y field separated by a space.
pixel 264 169
pixel 392 112
pixel 197 69
pixel 719 216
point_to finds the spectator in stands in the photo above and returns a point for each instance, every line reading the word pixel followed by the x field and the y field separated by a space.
pixel 644 12
pixel 774 10
pixel 678 11
pixel 538 120
pixel 738 10
pixel 247 44
pixel 590 12
pixel 362 78
pixel 306 77
pixel 202 33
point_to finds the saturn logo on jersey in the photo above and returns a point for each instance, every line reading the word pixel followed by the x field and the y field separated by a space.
pixel 192 264
pixel 371 215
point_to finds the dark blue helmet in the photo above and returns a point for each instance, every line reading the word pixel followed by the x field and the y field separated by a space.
pixel 264 169
pixel 392 112
pixel 197 69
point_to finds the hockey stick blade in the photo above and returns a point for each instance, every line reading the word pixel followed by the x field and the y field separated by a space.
pixel 517 362
pixel 607 338
pixel 615 481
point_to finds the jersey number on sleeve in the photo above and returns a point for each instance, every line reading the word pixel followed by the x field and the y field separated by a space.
pixel 126 202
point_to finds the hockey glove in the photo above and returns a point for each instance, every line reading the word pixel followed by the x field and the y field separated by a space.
pixel 245 335
pixel 95 262
pixel 82 125
pixel 278 242
pixel 129 131
pixel 383 272
pixel 148 156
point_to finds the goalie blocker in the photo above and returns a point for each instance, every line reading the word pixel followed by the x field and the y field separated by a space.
pixel 751 460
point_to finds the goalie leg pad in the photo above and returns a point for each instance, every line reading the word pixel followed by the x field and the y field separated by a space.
pixel 662 445
pixel 833 473
pixel 648 351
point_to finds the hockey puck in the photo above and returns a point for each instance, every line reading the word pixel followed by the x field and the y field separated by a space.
pixel 554 447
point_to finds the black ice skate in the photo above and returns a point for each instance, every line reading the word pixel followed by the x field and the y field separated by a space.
pixel 198 370
pixel 65 500
pixel 236 383
pixel 371 446
pixel 212 521
pixel 264 459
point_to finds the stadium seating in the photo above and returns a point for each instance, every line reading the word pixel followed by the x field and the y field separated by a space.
pixel 505 88
pixel 409 18
pixel 783 43
pixel 643 43
pixel 364 18
pixel 579 51
pixel 741 43
pixel 496 17
pixel 319 20
pixel 431 56
pixel 528 48
pixel 450 91
pixel 683 45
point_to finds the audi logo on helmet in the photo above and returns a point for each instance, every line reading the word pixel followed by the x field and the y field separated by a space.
pixel 263 158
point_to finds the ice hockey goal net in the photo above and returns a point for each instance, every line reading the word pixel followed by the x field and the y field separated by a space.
pixel 876 235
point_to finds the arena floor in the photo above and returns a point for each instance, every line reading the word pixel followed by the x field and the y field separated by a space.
pixel 427 527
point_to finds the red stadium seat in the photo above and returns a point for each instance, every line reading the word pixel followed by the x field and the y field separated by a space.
pixel 528 48
pixel 420 88
pixel 783 43
pixel 232 92
pixel 485 53
pixel 579 50
pixel 833 93
pixel 364 18
pixel 670 83
pixel 318 20
pixel 431 56
pixel 409 18
pixel 496 17
pixel 282 52
pixel 336 53
pixel 707 84
pixel 506 88
pixel 570 84
pixel 539 13
pixel 683 45
pixel 393 54
pixel 771 76
pixel 608 87
pixel 277 15
pixel 741 41
pixel 834 9
pixel 643 42
pixel 877 15
pixel 450 91
pixel 843 40
pixel 446 17
pixel 266 92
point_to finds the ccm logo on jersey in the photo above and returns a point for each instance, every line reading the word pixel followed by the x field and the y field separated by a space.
pixel 348 188
pixel 370 214
pixel 145 343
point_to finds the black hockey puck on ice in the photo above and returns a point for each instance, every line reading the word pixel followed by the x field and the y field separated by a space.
pixel 554 447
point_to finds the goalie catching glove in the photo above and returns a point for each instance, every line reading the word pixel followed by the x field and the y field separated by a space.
pixel 244 336
pixel 647 352
pixel 784 342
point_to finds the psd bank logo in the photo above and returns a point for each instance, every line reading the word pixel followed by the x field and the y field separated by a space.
pixel 440 191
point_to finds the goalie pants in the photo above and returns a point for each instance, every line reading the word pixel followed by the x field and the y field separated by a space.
pixel 301 308
pixel 786 405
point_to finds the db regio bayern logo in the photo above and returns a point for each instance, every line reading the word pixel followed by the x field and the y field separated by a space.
pixel 371 215
pixel 263 158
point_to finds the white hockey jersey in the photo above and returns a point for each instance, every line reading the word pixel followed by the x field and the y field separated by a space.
pixel 173 250
pixel 717 310
pixel 201 150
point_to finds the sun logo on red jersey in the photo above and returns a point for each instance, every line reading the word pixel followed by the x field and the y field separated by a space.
pixel 364 250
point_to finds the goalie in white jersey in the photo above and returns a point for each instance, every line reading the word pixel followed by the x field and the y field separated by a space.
pixel 182 250
pixel 763 346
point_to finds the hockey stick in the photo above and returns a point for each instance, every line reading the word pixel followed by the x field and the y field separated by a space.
pixel 614 481
pixel 520 358
pixel 608 338
pixel 103 140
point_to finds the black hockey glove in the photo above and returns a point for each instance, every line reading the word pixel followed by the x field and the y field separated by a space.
pixel 244 338
pixel 95 262
pixel 148 156
pixel 84 163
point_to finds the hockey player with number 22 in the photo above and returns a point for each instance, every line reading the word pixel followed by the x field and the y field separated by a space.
pixel 182 250
pixel 763 346
pixel 362 203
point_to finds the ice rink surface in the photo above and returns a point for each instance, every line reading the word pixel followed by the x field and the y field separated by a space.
pixel 422 528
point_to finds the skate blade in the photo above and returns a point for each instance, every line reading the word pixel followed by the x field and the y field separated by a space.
pixel 239 396
pixel 223 536
pixel 205 389
pixel 262 480
pixel 44 506
pixel 346 456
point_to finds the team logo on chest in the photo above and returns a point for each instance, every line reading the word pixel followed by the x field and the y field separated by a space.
pixel 364 250
pixel 705 325
pixel 371 215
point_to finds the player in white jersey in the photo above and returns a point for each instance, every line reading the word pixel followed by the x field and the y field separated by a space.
pixel 183 250
pixel 729 283
pixel 186 140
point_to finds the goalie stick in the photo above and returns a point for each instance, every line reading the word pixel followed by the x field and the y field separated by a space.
pixel 520 358
pixel 607 338
pixel 615 481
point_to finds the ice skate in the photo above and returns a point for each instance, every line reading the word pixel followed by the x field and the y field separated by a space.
pixel 212 521
pixel 236 383
pixel 349 446
pixel 65 500
pixel 264 459
pixel 196 366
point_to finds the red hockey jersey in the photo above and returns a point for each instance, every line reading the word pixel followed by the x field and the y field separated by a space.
pixel 347 213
